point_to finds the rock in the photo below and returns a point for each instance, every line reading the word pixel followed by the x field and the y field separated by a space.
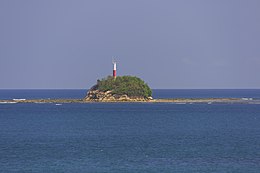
pixel 150 98
pixel 108 96
pixel 124 98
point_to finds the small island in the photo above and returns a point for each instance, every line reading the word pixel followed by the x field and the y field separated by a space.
pixel 120 88
pixel 127 89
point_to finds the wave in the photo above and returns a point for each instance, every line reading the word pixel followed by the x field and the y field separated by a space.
pixel 244 98
pixel 7 102
pixel 19 99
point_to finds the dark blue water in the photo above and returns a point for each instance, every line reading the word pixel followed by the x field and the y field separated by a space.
pixel 140 137
pixel 207 93
pixel 42 94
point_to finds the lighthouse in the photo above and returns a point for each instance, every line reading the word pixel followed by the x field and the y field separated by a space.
pixel 114 68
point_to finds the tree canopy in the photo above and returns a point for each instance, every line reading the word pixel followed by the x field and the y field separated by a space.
pixel 130 85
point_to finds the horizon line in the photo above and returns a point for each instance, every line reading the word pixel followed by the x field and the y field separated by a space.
pixel 151 88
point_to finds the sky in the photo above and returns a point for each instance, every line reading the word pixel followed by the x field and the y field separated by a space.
pixel 170 44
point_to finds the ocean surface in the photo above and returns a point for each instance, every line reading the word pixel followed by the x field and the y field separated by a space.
pixel 130 137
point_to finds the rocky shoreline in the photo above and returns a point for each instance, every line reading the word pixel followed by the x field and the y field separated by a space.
pixel 109 96
pixel 177 101
pixel 96 96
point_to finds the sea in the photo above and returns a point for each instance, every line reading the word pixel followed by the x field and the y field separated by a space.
pixel 130 137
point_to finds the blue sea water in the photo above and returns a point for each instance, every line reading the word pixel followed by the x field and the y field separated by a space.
pixel 129 137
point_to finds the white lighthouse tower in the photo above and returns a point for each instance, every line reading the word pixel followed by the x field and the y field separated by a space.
pixel 114 68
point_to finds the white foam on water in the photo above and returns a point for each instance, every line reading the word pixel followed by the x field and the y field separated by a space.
pixel 244 98
pixel 7 102
pixel 19 99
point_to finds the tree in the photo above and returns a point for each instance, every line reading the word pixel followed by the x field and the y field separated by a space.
pixel 130 85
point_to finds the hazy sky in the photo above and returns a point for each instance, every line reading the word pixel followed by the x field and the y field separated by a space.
pixel 168 43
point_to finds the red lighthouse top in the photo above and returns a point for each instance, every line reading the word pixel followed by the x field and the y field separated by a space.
pixel 114 69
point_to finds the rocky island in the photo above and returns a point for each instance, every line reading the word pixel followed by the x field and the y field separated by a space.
pixel 128 89
pixel 121 88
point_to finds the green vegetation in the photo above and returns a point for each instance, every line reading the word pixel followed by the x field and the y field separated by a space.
pixel 130 85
